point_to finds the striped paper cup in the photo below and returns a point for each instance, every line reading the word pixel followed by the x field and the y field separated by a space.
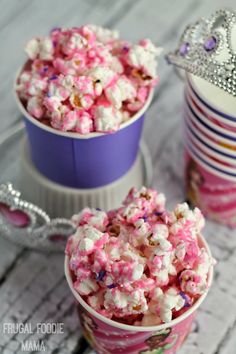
pixel 217 101
pixel 212 134
pixel 217 119
pixel 216 156
pixel 214 143
pixel 208 119
pixel 210 150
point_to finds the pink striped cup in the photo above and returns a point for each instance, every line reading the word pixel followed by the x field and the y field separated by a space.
pixel 212 157
pixel 219 138
pixel 203 136
pixel 215 100
pixel 208 118
pixel 215 117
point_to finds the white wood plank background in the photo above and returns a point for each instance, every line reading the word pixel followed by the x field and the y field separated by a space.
pixel 32 285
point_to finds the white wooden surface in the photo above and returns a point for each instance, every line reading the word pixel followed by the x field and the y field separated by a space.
pixel 32 285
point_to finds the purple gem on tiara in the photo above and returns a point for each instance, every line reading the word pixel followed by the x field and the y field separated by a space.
pixel 184 48
pixel 210 43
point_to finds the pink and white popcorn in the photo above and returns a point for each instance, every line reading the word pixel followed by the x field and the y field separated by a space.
pixel 106 118
pixel 78 68
pixel 139 264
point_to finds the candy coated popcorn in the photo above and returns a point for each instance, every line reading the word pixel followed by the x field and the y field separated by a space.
pixel 71 71
pixel 139 264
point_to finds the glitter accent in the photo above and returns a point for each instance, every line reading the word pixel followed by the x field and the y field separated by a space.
pixel 101 275
pixel 53 77
pixel 210 43
pixel 112 286
pixel 184 48
pixel 185 297
pixel 158 213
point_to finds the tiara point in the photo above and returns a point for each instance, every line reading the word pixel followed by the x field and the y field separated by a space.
pixel 207 49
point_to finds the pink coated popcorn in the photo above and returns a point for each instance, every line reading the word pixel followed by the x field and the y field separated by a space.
pixel 139 264
pixel 106 117
pixel 121 90
pixel 76 69
pixel 35 107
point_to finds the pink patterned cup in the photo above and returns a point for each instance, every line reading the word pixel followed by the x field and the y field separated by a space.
pixel 210 190
pixel 109 337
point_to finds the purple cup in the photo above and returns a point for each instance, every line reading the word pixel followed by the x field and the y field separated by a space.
pixel 84 161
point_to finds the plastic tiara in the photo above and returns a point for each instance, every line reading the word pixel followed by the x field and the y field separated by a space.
pixel 208 49
pixel 28 225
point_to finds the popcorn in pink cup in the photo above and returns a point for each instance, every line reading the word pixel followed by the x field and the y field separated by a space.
pixel 138 270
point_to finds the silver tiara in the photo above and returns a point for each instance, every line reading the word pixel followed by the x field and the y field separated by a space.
pixel 28 225
pixel 208 49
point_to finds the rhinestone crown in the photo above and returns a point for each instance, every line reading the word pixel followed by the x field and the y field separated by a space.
pixel 208 49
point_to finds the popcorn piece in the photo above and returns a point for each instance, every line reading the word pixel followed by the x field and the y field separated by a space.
pixel 104 35
pixel 102 75
pixel 93 217
pixel 106 118
pixel 35 107
pixel 86 287
pixel 120 91
pixel 144 59
pixel 168 302
pixel 74 43
pixel 40 47
pixel 124 303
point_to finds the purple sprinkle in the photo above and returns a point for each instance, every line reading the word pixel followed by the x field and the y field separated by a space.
pixel 112 286
pixel 145 218
pixel 158 213
pixel 48 94
pixel 184 48
pixel 101 275
pixel 45 69
pixel 53 77
pixel 98 209
pixel 184 296
pixel 210 43
pixel 125 49
pixel 54 29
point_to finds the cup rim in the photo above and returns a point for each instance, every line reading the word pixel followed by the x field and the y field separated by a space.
pixel 206 120
pixel 141 328
pixel 214 106
pixel 75 135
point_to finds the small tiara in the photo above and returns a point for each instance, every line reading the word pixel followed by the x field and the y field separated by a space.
pixel 208 49
pixel 28 225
